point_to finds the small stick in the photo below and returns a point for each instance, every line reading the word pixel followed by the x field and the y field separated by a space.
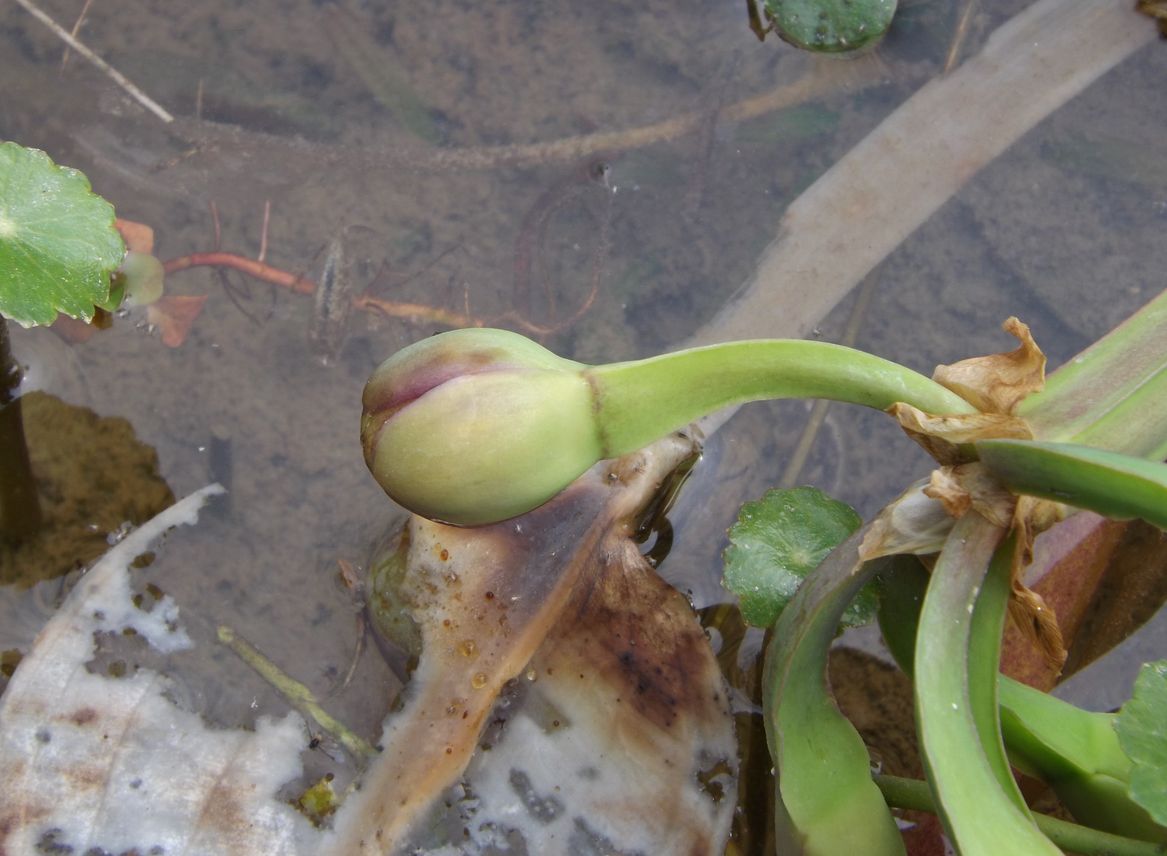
pixel 76 29
pixel 296 694
pixel 263 230
pixel 251 267
pixel 958 37
pixel 818 413
pixel 216 227
pixel 119 78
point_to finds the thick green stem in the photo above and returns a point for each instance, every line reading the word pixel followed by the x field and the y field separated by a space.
pixel 966 765
pixel 825 801
pixel 1118 486
pixel 639 401
pixel 20 510
pixel 1071 837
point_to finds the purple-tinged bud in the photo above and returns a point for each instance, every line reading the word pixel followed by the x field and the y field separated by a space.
pixel 476 426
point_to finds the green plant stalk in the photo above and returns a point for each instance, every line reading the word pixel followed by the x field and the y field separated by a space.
pixel 1112 484
pixel 1114 393
pixel 1071 837
pixel 825 800
pixel 979 813
pixel 984 657
pixel 1078 753
pixel 640 401
pixel 1074 750
pixel 20 509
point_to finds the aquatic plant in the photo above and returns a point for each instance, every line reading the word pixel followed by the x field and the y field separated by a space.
pixel 451 421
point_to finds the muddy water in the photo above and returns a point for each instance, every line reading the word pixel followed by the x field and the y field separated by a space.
pixel 451 150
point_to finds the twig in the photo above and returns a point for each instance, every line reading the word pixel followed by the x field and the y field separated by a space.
pixel 263 230
pixel 959 35
pixel 295 693
pixel 76 29
pixel 119 78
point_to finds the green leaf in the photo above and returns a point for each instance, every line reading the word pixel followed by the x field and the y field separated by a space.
pixel 956 703
pixel 1116 485
pixel 831 26
pixel 777 541
pixel 1142 733
pixel 825 801
pixel 58 244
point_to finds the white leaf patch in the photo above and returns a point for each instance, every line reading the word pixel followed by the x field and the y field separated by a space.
pixel 110 765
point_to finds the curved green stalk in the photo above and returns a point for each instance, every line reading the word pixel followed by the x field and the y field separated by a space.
pixel 1111 484
pixel 914 794
pixel 1075 751
pixel 980 813
pixel 825 801
pixel 639 401
pixel 1078 753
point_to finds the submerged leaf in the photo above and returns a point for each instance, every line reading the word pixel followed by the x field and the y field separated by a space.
pixel 831 26
pixel 566 694
pixel 777 541
pixel 1142 733
pixel 96 764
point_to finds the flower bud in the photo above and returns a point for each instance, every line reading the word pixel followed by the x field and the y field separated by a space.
pixel 476 426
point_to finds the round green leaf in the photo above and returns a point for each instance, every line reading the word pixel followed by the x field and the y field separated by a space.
pixel 58 244
pixel 1142 733
pixel 777 541
pixel 831 26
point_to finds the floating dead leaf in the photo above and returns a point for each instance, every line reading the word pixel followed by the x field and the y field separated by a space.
pixel 550 642
pixel 999 382
pixel 97 764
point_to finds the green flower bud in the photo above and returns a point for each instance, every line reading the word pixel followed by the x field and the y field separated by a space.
pixel 475 426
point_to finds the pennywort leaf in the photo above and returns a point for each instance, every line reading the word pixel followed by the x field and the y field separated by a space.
pixel 777 541
pixel 58 244
pixel 1142 733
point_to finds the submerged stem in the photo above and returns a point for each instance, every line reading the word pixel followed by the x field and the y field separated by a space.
pixel 20 510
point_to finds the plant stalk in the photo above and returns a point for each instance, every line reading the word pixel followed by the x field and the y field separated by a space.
pixel 1072 837
pixel 638 401
pixel 20 510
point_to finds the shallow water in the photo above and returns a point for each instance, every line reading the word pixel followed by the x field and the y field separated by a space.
pixel 386 128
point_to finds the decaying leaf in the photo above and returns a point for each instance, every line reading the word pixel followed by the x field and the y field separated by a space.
pixel 601 713
pixel 94 764
pixel 997 383
pixel 913 523
pixel 565 701
pixel 943 436
pixel 968 486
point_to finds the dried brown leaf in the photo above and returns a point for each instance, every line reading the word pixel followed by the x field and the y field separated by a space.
pixel 969 486
pixel 997 383
pixel 943 436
